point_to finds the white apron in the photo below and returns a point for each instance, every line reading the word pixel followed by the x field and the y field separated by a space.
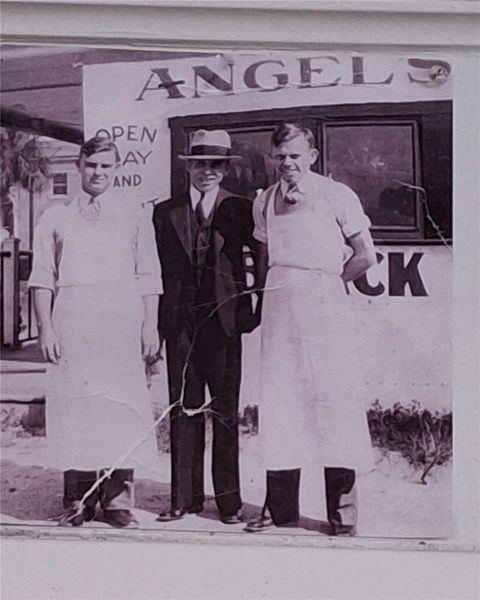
pixel 311 411
pixel 98 408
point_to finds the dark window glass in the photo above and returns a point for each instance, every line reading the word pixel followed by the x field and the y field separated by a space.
pixel 396 156
pixel 60 184
pixel 378 162
pixel 254 170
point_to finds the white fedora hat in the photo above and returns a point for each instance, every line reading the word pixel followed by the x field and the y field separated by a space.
pixel 210 145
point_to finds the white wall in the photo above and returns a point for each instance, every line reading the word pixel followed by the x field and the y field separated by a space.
pixel 142 571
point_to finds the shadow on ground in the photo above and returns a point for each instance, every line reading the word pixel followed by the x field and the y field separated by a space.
pixel 34 493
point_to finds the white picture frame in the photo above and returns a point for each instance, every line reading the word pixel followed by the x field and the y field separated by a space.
pixel 435 28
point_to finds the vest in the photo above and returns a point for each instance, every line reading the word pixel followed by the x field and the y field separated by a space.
pixel 203 261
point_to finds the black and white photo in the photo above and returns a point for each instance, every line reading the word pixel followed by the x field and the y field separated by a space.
pixel 227 291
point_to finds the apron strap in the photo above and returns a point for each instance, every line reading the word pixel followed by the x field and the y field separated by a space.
pixel 269 195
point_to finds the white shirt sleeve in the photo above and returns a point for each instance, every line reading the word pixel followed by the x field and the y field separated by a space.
pixel 46 252
pixel 259 218
pixel 349 210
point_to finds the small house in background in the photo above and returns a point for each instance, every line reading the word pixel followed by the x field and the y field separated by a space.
pixel 37 172
pixel 58 181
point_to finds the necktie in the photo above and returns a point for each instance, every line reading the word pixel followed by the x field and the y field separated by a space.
pixel 200 211
pixel 203 237
pixel 290 196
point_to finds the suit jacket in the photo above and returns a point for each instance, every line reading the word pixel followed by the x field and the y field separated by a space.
pixel 232 229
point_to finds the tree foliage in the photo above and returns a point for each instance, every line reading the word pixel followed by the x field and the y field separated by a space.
pixel 22 161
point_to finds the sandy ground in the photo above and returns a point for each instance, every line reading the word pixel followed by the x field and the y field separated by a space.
pixel 392 501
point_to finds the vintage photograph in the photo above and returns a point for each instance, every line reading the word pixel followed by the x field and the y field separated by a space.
pixel 226 291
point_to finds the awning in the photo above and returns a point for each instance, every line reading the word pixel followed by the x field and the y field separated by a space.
pixel 42 85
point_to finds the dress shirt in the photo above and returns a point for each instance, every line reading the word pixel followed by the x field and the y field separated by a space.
pixel 208 202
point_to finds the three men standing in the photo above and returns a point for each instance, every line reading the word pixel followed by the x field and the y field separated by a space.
pixel 317 238
pixel 202 237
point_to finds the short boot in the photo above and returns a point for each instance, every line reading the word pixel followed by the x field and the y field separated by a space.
pixel 117 498
pixel 282 500
pixel 75 485
pixel 342 504
pixel 281 503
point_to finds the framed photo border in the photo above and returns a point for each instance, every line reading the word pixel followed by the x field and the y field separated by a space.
pixel 433 27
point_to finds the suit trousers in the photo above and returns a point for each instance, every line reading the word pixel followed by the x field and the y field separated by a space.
pixel 195 361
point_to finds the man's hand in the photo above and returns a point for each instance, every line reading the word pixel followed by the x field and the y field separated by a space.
pixel 49 344
pixel 252 323
pixel 150 341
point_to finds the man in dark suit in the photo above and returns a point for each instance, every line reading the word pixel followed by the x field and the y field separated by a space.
pixel 201 238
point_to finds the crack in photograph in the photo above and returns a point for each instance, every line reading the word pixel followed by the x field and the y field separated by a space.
pixel 226 291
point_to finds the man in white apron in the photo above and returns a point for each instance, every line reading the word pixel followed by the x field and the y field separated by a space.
pixel 95 260
pixel 311 415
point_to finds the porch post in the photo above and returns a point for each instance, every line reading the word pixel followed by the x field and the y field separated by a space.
pixel 10 292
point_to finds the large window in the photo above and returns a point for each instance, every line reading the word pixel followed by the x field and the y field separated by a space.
pixel 254 171
pixel 379 162
pixel 397 157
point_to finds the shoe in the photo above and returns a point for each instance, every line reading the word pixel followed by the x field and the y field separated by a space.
pixel 261 524
pixel 72 516
pixel 232 519
pixel 118 517
pixel 343 530
pixel 174 514
pixel 194 510
pixel 89 513
pixel 76 486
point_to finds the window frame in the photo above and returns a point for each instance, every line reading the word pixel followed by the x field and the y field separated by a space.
pixel 426 114
pixel 387 232
pixel 63 184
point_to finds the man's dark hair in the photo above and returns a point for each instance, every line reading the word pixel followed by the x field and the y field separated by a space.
pixel 287 131
pixel 98 144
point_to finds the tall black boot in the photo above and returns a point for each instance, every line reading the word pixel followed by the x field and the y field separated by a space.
pixel 117 498
pixel 342 506
pixel 75 485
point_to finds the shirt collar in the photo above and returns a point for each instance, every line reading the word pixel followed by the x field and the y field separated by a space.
pixel 106 204
pixel 209 199
pixel 303 186
pixel 106 198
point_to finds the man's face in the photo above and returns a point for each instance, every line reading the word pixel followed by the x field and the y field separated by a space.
pixel 206 174
pixel 97 171
pixel 294 158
